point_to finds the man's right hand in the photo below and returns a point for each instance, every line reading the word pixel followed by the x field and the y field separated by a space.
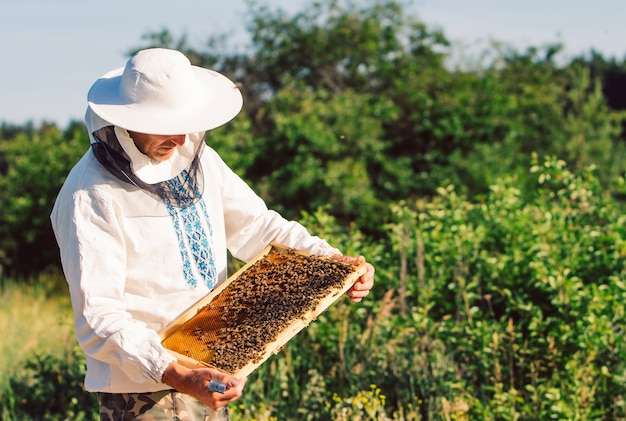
pixel 195 382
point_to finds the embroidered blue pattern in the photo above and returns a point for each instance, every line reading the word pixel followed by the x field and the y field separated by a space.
pixel 193 241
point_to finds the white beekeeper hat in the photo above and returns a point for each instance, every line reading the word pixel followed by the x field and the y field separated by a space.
pixel 160 92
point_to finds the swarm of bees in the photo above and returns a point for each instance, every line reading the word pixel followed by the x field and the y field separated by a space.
pixel 234 329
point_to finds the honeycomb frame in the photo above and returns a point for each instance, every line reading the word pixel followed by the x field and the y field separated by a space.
pixel 200 337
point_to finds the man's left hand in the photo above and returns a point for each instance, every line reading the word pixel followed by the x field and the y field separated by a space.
pixel 364 284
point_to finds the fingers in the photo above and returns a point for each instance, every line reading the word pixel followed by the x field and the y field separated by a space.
pixel 213 387
pixel 362 286
pixel 196 381
pixel 365 283
pixel 233 390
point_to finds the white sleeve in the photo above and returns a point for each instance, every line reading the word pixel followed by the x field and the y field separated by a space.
pixel 93 255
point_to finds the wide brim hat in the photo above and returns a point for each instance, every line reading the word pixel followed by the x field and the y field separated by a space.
pixel 160 92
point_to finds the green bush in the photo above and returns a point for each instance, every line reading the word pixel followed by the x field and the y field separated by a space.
pixel 48 387
pixel 36 164
pixel 517 299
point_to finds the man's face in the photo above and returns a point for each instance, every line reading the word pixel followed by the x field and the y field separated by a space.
pixel 157 147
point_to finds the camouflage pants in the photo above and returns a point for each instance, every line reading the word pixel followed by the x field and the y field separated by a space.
pixel 166 405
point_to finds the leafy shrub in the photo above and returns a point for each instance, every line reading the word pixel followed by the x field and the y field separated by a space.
pixel 51 388
pixel 520 294
pixel 37 162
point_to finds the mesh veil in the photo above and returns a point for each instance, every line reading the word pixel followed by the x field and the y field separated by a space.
pixel 189 183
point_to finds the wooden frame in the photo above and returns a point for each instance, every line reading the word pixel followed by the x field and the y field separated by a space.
pixel 292 329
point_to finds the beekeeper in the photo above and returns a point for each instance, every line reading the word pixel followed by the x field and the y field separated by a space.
pixel 144 221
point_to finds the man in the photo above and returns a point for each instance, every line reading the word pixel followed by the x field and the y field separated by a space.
pixel 144 221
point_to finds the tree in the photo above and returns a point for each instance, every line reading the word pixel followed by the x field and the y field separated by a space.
pixel 37 160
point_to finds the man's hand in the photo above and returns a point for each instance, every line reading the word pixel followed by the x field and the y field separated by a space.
pixel 364 284
pixel 195 382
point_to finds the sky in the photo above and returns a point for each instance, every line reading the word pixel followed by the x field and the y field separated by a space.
pixel 52 51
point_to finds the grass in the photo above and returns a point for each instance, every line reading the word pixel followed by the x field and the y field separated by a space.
pixel 35 316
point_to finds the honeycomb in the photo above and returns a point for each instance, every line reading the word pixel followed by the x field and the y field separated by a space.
pixel 260 308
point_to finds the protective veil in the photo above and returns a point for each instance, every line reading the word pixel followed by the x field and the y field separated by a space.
pixel 177 181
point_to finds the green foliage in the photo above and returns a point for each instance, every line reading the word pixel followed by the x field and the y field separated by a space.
pixel 37 162
pixel 523 294
pixel 339 45
pixel 320 145
pixel 365 405
pixel 592 132
pixel 335 66
pixel 42 367
pixel 523 105
pixel 334 79
pixel 51 388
